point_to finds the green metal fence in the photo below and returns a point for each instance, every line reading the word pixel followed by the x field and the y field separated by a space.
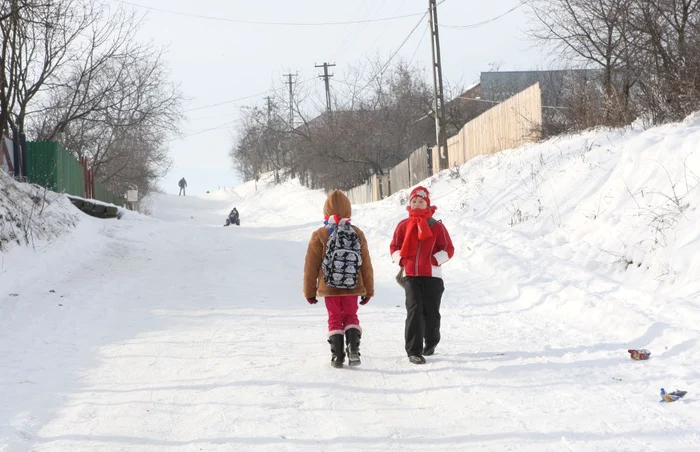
pixel 103 194
pixel 51 166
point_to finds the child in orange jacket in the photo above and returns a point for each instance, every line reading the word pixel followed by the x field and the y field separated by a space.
pixel 341 303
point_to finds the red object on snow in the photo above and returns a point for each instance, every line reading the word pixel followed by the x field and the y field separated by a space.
pixel 639 355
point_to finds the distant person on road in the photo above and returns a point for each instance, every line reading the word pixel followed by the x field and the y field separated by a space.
pixel 421 245
pixel 183 185
pixel 233 218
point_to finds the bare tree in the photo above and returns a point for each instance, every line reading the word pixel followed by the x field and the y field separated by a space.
pixel 372 129
pixel 670 55
pixel 263 143
pixel 648 51
pixel 42 39
pixel 124 105
pixel 597 34
pixel 13 14
pixel 74 71
pixel 381 114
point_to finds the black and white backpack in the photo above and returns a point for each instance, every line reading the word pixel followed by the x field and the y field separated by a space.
pixel 343 258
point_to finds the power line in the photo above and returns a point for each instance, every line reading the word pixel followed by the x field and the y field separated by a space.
pixel 226 124
pixel 404 41
pixel 255 22
pixel 382 31
pixel 219 127
pixel 344 82
pixel 350 36
pixel 487 21
pixel 496 102
pixel 204 118
pixel 381 71
pixel 420 41
pixel 227 101
pixel 386 65
pixel 238 99
pixel 427 26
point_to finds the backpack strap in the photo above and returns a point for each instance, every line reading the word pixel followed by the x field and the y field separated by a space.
pixel 431 222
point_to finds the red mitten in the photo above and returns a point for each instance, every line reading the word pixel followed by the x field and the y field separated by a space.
pixel 364 300
pixel 312 300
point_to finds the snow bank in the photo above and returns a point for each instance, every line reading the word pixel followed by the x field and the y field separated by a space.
pixel 30 214
pixel 624 200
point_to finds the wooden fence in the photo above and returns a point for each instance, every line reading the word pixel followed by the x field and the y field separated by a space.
pixel 411 171
pixel 376 188
pixel 360 194
pixel 380 186
pixel 508 125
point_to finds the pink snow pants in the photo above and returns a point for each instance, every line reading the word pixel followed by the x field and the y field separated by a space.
pixel 342 313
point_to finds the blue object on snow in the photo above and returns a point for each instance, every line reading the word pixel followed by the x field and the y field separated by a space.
pixel 671 396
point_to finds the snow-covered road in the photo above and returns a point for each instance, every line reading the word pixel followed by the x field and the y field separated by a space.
pixel 145 335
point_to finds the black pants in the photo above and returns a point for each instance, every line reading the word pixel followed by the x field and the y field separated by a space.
pixel 423 296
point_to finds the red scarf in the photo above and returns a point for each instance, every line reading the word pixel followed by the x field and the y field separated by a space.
pixel 417 229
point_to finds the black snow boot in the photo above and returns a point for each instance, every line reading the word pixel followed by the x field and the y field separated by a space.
pixel 416 359
pixel 338 357
pixel 352 337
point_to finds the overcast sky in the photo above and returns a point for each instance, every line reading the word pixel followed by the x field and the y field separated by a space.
pixel 217 58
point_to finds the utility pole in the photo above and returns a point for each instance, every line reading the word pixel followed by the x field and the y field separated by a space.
pixel 440 138
pixel 326 78
pixel 291 98
pixel 269 109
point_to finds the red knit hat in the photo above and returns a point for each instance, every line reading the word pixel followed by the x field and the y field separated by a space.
pixel 421 192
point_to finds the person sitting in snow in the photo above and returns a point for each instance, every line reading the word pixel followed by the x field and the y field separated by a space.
pixel 233 218
pixel 341 303
pixel 420 246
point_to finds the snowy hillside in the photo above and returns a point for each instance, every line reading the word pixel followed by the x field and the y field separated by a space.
pixel 172 332
pixel 30 214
